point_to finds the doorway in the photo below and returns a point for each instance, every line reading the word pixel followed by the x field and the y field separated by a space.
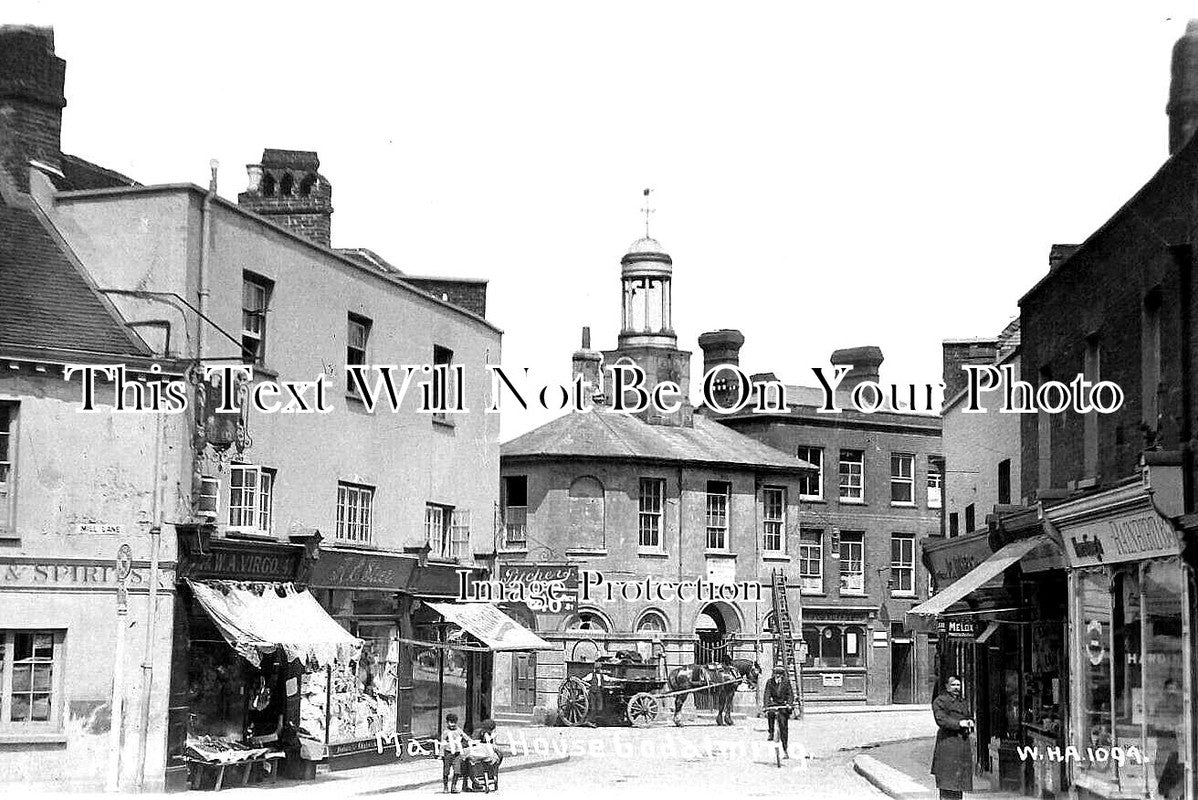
pixel 524 681
pixel 902 671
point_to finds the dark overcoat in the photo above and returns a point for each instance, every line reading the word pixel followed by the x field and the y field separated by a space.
pixel 952 760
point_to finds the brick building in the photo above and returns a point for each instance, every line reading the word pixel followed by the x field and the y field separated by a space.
pixel 863 516
pixel 649 496
pixel 1079 615
pixel 370 514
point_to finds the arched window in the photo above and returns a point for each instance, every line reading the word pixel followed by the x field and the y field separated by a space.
pixel 587 621
pixel 268 185
pixel 287 185
pixel 307 185
pixel 585 513
pixel 651 622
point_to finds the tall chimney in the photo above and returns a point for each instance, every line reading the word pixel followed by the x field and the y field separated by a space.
pixel 1183 89
pixel 31 100
pixel 589 364
pixel 722 347
pixel 865 361
pixel 287 189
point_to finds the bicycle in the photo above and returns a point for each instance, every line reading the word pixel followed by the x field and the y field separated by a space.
pixel 778 731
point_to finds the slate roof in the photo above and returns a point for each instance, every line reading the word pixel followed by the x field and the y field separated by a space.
pixel 46 304
pixel 605 434
pixel 81 174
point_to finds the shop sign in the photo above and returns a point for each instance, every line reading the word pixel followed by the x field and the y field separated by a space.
pixel 957 559
pixel 880 639
pixel 534 581
pixel 958 628
pixel 244 564
pixel 337 570
pixel 78 574
pixel 833 679
pixel 1125 537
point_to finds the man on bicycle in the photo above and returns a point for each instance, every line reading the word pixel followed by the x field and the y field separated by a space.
pixel 779 698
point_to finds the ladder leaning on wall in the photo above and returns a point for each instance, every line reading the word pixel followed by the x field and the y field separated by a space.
pixel 784 642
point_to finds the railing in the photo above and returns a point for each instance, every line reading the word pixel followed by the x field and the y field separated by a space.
pixel 515 524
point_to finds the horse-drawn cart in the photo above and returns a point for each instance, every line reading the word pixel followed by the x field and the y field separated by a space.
pixel 624 688
pixel 611 689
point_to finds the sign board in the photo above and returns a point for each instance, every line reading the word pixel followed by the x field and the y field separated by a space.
pixel 958 628
pixel 343 570
pixel 541 587
pixel 721 571
pixel 99 574
pixel 1130 536
pixel 956 558
pixel 832 679
pixel 97 529
pixel 880 639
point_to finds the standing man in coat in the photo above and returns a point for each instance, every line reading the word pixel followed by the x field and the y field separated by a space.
pixel 952 760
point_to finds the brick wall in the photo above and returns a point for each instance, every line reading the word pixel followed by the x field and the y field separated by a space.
pixel 1100 292
pixel 470 295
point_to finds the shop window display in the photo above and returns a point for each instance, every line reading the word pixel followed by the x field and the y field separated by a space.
pixel 1131 649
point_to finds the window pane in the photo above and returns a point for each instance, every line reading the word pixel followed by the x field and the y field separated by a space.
pixel 41 708
pixel 22 646
pixel 41 678
pixel 20 708
pixel 22 677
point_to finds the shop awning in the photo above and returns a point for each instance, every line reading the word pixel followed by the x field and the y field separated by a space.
pixel 257 619
pixel 993 566
pixel 491 626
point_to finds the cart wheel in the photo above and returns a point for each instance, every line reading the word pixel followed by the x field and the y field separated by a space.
pixel 573 703
pixel 643 709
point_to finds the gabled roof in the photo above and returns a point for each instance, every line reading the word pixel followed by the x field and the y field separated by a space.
pixel 78 173
pixel 605 434
pixel 47 306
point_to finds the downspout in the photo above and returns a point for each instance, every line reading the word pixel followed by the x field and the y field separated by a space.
pixel 681 514
pixel 147 664
pixel 205 232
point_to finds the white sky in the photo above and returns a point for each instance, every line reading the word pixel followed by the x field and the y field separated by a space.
pixel 824 177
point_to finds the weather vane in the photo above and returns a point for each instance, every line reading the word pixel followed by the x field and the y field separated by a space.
pixel 647 211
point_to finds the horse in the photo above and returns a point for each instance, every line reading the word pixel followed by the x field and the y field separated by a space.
pixel 723 677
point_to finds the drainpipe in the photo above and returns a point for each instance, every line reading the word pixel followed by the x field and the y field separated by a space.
pixel 147 664
pixel 205 229
pixel 681 515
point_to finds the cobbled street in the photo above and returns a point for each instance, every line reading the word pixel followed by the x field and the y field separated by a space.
pixel 606 769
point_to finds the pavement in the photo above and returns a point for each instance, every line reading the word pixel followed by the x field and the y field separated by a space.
pixel 901 770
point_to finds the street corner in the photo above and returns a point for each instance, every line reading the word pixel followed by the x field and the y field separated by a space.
pixel 891 781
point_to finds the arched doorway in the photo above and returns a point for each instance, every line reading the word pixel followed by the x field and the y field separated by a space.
pixel 716 625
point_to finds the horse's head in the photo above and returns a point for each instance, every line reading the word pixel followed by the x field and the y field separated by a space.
pixel 749 671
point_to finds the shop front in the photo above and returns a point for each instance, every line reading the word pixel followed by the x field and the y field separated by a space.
pixel 250 648
pixel 1131 662
pixel 452 649
pixel 835 654
pixel 1002 632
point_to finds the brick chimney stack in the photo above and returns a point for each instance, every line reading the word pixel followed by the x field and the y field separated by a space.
pixel 287 189
pixel 722 347
pixel 1183 89
pixel 866 363
pixel 31 100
